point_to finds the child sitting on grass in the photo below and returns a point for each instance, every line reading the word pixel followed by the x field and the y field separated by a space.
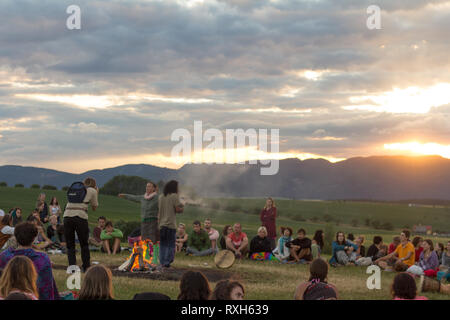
pixel 111 238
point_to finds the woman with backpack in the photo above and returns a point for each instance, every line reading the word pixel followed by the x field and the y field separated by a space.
pixel 79 196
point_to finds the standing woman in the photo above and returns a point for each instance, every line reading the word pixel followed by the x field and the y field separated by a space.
pixel 168 206
pixel 149 211
pixel 268 216
pixel 76 220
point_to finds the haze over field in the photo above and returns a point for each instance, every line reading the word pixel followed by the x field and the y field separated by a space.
pixel 113 92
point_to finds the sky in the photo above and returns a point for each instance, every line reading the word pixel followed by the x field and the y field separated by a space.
pixel 113 92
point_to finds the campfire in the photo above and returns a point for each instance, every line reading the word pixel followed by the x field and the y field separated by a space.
pixel 144 257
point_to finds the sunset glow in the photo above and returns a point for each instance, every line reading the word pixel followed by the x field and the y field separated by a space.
pixel 417 148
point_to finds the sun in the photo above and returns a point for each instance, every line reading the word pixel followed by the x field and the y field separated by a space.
pixel 417 148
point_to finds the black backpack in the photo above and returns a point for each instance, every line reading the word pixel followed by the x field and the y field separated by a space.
pixel 76 192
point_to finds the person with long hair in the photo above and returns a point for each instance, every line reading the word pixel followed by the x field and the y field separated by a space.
pixel 182 238
pixel 16 214
pixel 55 209
pixel 268 216
pixel 417 243
pixel 25 234
pixel 343 251
pixel 404 288
pixel 227 230
pixel 194 286
pixel 228 290
pixel 149 211
pixel 444 268
pixel 282 252
pixel 76 221
pixel 6 231
pixel 439 250
pixel 428 260
pixel 168 206
pixel 317 287
pixel 97 284
pixel 317 243
pixel 19 276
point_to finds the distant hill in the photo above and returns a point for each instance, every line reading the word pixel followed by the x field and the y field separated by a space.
pixel 29 175
pixel 373 178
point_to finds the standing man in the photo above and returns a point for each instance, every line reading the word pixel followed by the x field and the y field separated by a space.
pixel 168 206
pixel 149 211
pixel 212 233
pixel 268 216
pixel 76 220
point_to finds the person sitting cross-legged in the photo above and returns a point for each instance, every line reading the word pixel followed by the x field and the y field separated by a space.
pixel 95 240
pixel 343 251
pixel 261 246
pixel 198 241
pixel 111 238
pixel 237 241
pixel 281 252
pixel 404 254
pixel 300 248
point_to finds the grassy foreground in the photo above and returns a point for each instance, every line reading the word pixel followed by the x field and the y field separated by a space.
pixel 262 280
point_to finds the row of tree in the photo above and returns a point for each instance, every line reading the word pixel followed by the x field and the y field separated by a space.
pixel 33 186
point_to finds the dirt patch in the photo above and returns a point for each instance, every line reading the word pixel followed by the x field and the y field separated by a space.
pixel 172 274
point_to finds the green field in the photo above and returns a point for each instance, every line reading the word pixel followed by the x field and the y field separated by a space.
pixel 263 280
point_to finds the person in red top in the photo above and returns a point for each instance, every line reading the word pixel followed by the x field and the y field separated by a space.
pixel 237 242
pixel 417 243
pixel 268 216
pixel 394 244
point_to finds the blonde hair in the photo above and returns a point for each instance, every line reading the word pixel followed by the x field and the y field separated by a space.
pixel 19 274
pixel 97 284
pixel 273 203
pixel 262 229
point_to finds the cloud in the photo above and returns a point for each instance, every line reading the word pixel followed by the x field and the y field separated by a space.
pixel 137 70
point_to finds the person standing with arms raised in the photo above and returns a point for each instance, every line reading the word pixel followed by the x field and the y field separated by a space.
pixel 169 205
pixel 268 216
pixel 79 195
pixel 149 211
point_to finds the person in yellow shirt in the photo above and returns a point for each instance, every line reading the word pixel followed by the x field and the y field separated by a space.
pixel 404 254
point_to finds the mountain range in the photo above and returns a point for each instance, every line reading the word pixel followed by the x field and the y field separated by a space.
pixel 376 178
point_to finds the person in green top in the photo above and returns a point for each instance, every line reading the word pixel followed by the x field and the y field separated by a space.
pixel 111 238
pixel 198 241
pixel 149 211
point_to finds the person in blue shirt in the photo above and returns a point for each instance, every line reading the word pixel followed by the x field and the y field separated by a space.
pixel 343 251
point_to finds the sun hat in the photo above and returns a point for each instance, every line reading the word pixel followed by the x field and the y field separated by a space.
pixel 2 213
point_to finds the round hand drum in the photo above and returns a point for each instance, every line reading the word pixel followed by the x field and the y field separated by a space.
pixel 224 259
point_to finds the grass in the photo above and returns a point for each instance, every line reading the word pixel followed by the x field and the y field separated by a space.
pixel 263 280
